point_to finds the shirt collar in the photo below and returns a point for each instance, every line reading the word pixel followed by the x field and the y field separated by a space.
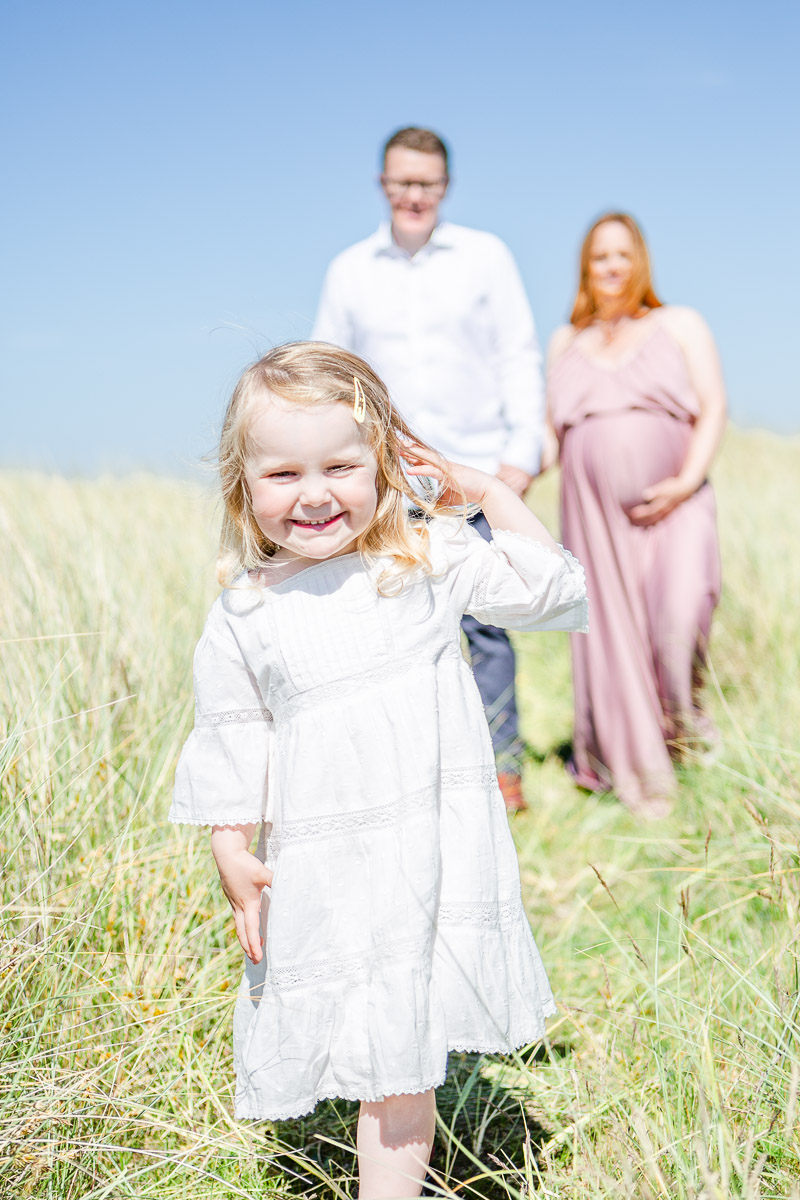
pixel 440 239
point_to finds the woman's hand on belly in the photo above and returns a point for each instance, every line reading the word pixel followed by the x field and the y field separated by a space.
pixel 660 499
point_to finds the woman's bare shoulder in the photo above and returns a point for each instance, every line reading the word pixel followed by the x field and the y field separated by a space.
pixel 681 321
pixel 561 339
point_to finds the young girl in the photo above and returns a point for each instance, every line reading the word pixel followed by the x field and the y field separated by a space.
pixel 335 710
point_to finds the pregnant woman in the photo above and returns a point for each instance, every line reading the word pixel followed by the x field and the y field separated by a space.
pixel 637 410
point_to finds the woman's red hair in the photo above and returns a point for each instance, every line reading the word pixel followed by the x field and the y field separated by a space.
pixel 639 297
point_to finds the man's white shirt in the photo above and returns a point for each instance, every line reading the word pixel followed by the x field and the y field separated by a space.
pixel 451 333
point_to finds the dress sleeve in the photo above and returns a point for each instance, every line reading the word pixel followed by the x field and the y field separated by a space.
pixel 512 581
pixel 222 772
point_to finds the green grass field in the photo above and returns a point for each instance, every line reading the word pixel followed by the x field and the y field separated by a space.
pixel 673 1068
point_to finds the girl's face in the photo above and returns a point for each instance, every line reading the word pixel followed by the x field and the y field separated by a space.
pixel 312 478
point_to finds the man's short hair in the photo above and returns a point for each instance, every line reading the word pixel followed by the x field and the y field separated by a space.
pixel 413 138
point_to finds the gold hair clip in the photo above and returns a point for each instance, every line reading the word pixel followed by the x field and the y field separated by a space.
pixel 359 402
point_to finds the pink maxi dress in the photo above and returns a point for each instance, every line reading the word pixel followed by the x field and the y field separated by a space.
pixel 652 589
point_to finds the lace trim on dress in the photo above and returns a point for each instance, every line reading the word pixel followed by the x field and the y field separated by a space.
pixel 498 916
pixel 382 816
pixel 221 819
pixel 482 582
pixel 410 1087
pixel 353 968
pixel 572 561
pixel 236 716
pixel 339 689
pixel 477 776
pixel 406 1087
pixel 336 824
pixel 499 1047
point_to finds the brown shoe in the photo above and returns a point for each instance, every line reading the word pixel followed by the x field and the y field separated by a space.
pixel 511 787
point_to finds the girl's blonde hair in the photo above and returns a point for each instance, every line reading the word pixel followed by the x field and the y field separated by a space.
pixel 311 373
pixel 639 297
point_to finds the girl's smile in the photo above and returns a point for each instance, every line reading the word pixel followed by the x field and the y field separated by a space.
pixel 311 477
pixel 322 523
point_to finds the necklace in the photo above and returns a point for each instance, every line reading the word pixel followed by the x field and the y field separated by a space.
pixel 611 329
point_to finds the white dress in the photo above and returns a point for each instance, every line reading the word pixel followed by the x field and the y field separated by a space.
pixel 351 726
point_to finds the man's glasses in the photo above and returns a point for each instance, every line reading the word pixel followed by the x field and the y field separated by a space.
pixel 400 187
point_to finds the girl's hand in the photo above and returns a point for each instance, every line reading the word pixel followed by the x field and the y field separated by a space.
pixel 243 878
pixel 473 483
pixel 660 500
pixel 501 506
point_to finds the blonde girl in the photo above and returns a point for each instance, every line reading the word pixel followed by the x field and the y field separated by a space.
pixel 380 911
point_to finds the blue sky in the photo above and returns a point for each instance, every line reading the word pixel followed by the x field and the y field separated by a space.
pixel 179 175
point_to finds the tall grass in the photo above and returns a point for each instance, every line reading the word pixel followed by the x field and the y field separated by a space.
pixel 673 1068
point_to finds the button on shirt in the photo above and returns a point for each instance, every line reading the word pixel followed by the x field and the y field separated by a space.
pixel 450 331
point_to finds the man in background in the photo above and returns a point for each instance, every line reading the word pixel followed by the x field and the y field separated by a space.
pixel 440 312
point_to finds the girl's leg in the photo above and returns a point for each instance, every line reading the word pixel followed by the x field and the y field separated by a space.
pixel 394 1143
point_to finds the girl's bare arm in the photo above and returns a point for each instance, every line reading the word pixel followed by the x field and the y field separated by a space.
pixel 243 878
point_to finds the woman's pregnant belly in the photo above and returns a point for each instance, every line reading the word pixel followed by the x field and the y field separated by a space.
pixel 620 454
